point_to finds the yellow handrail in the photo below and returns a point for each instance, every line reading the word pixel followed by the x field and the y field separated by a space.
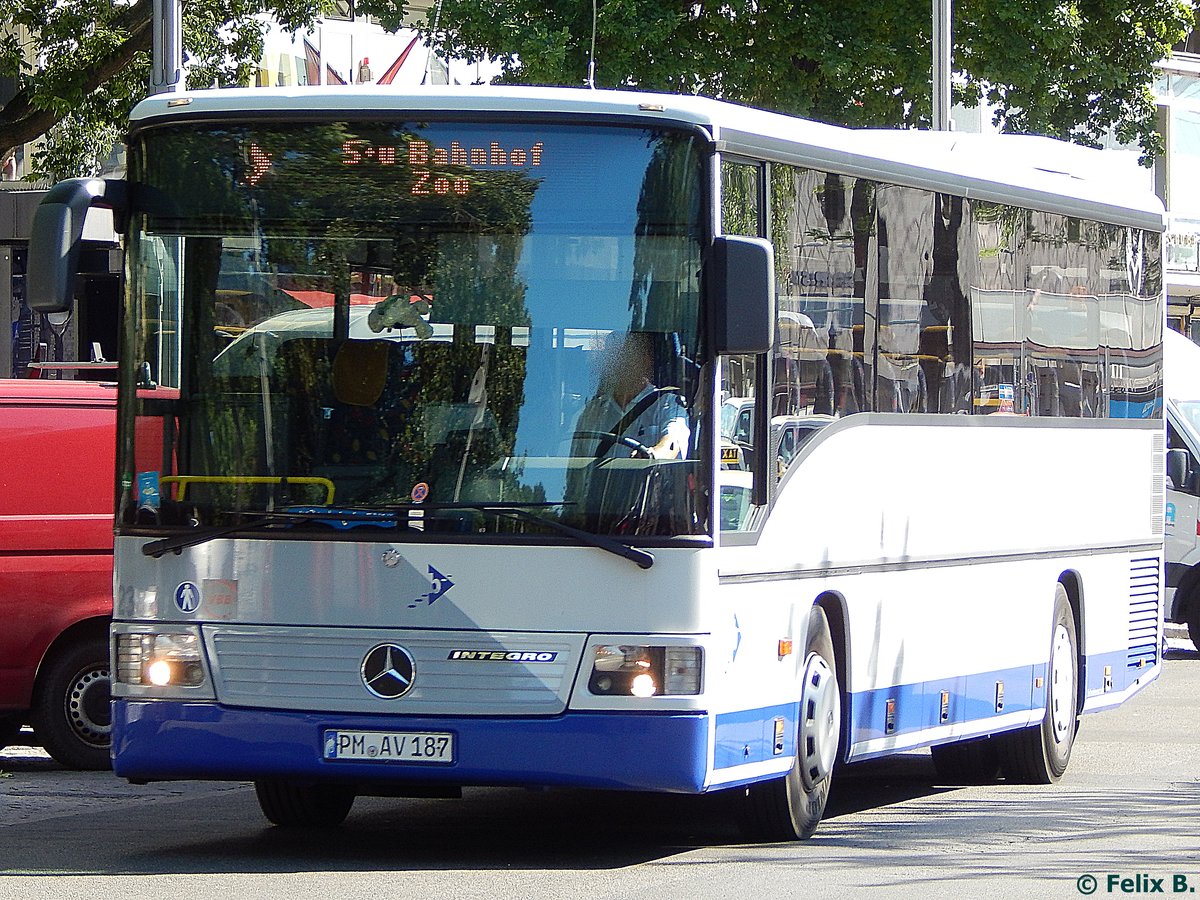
pixel 184 480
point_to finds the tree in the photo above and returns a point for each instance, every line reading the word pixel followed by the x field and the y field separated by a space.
pixel 84 63
pixel 1066 68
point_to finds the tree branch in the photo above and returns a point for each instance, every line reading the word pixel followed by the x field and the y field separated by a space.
pixel 21 120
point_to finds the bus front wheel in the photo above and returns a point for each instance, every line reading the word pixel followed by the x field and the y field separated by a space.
pixel 1039 755
pixel 790 808
pixel 297 805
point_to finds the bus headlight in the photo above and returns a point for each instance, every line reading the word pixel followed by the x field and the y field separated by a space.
pixel 160 659
pixel 640 671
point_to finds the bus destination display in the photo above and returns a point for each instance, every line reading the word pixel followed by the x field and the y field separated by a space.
pixel 423 157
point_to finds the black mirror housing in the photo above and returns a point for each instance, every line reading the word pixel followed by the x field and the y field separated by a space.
pixel 740 275
pixel 1179 464
pixel 56 235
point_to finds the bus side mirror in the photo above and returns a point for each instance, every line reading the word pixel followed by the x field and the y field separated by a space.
pixel 741 288
pixel 55 237
pixel 1179 462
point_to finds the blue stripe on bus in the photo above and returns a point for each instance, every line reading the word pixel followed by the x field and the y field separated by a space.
pixel 170 739
pixel 748 736
pixel 917 707
pixel 1123 675
pixel 973 697
pixel 167 739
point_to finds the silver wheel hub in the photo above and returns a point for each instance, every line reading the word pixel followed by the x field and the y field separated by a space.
pixel 87 707
pixel 820 721
pixel 1062 685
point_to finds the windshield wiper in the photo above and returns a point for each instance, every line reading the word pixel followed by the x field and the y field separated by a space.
pixel 306 514
pixel 643 558
pixel 386 517
pixel 527 512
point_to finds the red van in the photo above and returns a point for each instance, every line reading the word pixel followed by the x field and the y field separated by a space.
pixel 57 445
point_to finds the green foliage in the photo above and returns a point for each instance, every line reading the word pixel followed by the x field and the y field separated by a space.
pixel 1067 68
pixel 80 65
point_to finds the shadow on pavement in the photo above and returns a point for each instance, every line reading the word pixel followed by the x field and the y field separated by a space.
pixel 489 828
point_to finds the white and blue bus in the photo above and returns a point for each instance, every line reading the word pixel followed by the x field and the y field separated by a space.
pixel 420 479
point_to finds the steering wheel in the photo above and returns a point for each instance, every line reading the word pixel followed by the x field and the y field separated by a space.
pixel 608 438
pixel 632 415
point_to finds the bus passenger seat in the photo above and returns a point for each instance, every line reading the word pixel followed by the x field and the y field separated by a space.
pixel 356 432
pixel 360 371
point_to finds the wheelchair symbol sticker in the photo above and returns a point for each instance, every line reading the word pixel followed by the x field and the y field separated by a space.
pixel 187 597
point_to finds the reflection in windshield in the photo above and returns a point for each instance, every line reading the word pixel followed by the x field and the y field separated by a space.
pixel 396 314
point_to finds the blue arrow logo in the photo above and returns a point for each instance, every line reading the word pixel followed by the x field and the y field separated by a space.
pixel 438 585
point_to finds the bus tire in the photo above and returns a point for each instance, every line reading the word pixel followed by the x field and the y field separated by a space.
pixel 791 807
pixel 297 805
pixel 1039 755
pixel 71 713
pixel 967 762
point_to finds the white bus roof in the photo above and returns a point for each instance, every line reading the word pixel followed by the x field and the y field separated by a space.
pixel 998 168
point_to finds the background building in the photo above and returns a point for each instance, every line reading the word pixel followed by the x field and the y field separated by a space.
pixel 1177 180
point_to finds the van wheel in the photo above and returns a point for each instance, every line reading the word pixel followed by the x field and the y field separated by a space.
pixel 1193 623
pixel 71 711
pixel 791 807
pixel 304 805
pixel 1039 755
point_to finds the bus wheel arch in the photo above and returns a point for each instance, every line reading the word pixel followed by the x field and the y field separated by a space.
pixel 790 807
pixel 1072 583
pixel 834 606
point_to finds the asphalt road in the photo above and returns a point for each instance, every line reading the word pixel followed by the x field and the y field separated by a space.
pixel 1128 806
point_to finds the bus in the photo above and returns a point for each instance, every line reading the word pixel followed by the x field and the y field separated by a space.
pixel 376 536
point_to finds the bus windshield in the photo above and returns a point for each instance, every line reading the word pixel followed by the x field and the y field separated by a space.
pixel 373 316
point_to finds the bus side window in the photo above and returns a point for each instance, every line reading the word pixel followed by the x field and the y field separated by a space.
pixel 741 214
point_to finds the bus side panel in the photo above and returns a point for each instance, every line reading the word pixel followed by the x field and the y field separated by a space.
pixel 945 560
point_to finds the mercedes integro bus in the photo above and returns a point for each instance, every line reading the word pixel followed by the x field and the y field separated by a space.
pixel 436 496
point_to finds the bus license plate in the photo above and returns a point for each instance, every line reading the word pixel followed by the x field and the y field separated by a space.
pixel 391 746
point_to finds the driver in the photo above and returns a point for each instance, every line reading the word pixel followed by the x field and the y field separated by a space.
pixel 628 405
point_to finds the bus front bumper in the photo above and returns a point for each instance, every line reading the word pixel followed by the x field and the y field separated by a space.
pixel 167 740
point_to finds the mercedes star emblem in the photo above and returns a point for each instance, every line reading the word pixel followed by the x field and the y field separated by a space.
pixel 387 671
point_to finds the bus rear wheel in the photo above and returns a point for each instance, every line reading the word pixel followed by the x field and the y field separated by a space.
pixel 791 807
pixel 300 805
pixel 1039 755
